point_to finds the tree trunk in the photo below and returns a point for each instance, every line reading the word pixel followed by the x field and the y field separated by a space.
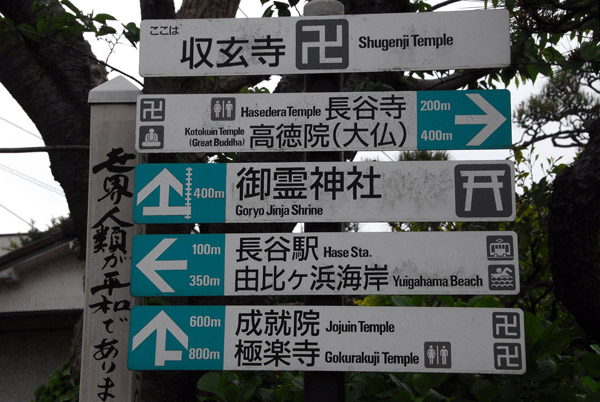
pixel 573 239
pixel 51 81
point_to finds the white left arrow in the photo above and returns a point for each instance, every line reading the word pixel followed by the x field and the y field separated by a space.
pixel 150 264
pixel 492 119
pixel 161 324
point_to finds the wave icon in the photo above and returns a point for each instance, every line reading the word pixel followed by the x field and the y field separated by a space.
pixel 501 277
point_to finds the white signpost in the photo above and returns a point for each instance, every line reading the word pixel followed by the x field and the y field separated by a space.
pixel 325 192
pixel 334 338
pixel 391 121
pixel 331 338
pixel 350 43
pixel 325 263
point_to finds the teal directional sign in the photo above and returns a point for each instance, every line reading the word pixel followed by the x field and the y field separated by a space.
pixel 325 192
pixel 464 119
pixel 325 263
pixel 316 338
pixel 388 121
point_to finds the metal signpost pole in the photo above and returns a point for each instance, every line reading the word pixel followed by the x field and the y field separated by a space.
pixel 323 385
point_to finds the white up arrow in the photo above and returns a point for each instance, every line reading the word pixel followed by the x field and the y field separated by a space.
pixel 164 181
pixel 150 264
pixel 492 119
pixel 161 324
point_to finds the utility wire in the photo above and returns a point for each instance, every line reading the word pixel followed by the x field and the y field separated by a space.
pixel 28 223
pixel 48 149
pixel 242 11
pixel 31 180
pixel 21 128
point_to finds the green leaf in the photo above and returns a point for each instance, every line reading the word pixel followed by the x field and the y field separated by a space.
pixel 283 9
pixel 546 367
pixel 590 383
pixel 284 12
pixel 210 382
pixel 417 301
pixel 132 33
pixel 102 18
pixel 532 71
pixel 28 31
pixel 446 300
pixel 106 30
pixel 484 390
pixel 591 363
pixel 248 387
pixel 533 329
pixel 589 51
pixel 268 12
pixel 401 301
pixel 485 301
pixel 42 25
pixel 421 383
pixel 71 6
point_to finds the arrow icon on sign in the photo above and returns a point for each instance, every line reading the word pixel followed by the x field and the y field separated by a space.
pixel 164 181
pixel 161 324
pixel 492 119
pixel 150 264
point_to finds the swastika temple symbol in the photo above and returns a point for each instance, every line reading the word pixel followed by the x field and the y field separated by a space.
pixel 507 356
pixel 322 44
pixel 506 325
pixel 152 109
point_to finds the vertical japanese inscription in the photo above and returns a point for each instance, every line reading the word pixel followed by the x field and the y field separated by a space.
pixel 108 300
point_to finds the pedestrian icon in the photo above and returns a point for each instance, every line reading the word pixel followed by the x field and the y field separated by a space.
pixel 151 137
pixel 438 355
pixel 222 109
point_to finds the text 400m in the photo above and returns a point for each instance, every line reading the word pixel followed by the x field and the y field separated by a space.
pixel 435 135
pixel 208 193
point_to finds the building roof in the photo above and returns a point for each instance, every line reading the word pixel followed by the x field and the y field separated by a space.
pixel 44 275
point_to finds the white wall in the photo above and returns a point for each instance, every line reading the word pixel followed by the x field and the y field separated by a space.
pixel 27 358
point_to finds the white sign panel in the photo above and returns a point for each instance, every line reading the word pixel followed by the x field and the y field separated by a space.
pixel 325 192
pixel 352 43
pixel 392 339
pixel 325 263
pixel 357 121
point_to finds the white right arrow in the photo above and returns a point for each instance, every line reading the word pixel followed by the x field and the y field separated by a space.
pixel 164 181
pixel 161 324
pixel 150 264
pixel 492 119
